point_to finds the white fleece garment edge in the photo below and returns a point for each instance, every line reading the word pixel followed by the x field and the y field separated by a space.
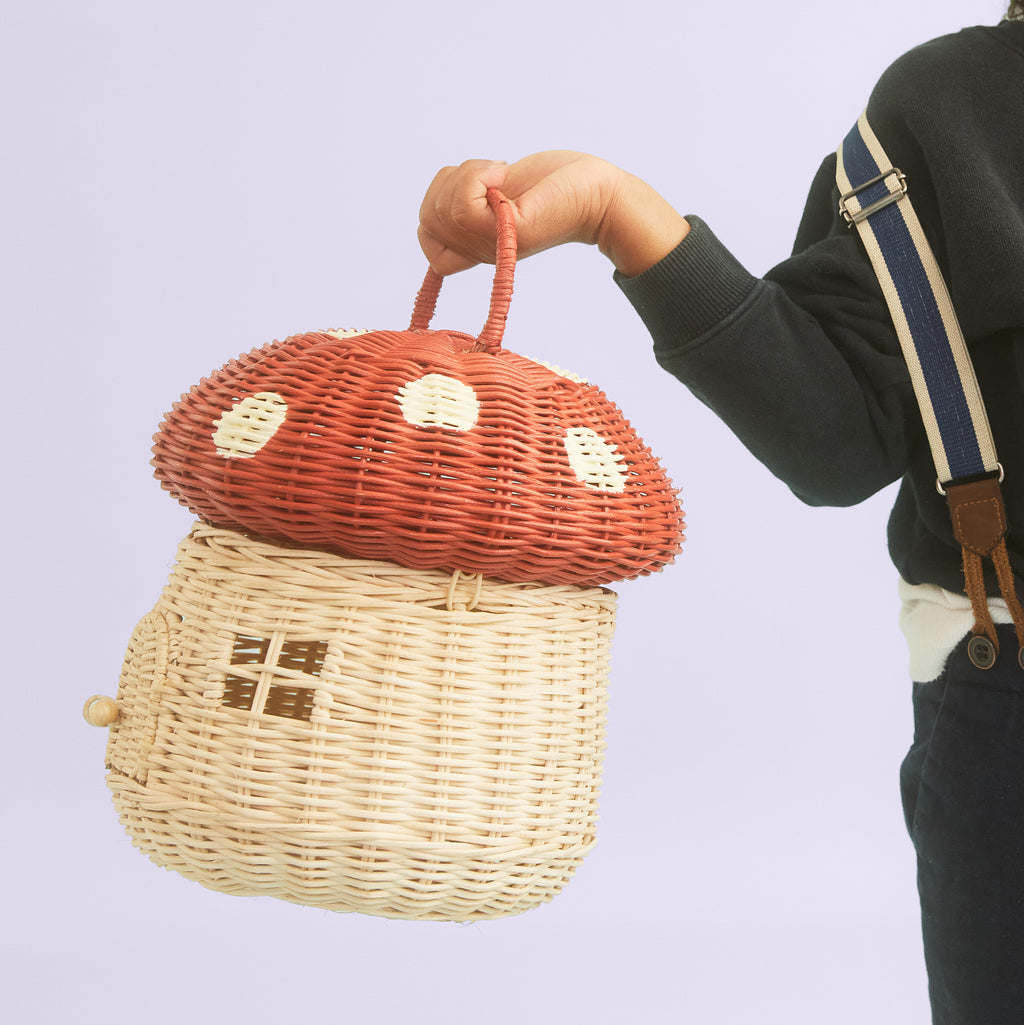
pixel 934 621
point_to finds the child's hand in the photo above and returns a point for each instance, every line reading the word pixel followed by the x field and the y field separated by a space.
pixel 557 196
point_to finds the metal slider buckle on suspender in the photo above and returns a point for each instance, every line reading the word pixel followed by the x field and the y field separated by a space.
pixel 853 216
pixel 941 489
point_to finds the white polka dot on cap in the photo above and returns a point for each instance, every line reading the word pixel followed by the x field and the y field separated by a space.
pixel 436 400
pixel 249 424
pixel 595 461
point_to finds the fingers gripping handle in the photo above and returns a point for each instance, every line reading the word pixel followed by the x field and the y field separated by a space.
pixel 501 290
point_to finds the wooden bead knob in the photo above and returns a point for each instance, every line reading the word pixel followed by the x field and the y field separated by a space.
pixel 100 711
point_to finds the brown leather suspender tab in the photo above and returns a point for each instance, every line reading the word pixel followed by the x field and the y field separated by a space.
pixel 976 509
pixel 979 525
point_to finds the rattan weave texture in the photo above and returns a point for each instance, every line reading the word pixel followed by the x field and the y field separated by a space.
pixel 430 449
pixel 360 736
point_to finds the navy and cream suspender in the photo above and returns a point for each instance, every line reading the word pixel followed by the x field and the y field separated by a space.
pixel 874 199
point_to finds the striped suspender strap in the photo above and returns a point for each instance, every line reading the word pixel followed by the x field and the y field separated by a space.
pixel 874 199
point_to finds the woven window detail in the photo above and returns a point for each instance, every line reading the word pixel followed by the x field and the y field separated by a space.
pixel 290 702
pixel 267 680
pixel 303 656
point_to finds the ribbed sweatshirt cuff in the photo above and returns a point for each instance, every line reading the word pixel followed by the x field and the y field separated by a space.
pixel 690 291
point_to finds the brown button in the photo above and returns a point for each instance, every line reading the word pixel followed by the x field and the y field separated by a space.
pixel 982 652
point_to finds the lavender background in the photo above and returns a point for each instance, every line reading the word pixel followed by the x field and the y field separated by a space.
pixel 186 181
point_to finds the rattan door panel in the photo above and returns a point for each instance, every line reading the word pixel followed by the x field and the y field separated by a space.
pixel 142 676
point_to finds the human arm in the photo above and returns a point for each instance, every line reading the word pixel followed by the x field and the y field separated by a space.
pixel 802 364
pixel 805 379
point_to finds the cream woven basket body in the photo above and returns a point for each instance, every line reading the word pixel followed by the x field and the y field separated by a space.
pixel 359 736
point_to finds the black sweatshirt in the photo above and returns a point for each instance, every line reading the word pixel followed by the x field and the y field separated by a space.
pixel 804 364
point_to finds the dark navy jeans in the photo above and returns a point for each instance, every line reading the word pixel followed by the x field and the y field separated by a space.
pixel 963 797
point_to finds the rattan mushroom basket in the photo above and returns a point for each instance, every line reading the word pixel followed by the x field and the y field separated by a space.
pixel 376 679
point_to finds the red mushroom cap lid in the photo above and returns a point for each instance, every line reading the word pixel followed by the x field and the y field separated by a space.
pixel 430 449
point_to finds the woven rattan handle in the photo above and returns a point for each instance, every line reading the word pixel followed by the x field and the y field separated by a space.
pixel 501 290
